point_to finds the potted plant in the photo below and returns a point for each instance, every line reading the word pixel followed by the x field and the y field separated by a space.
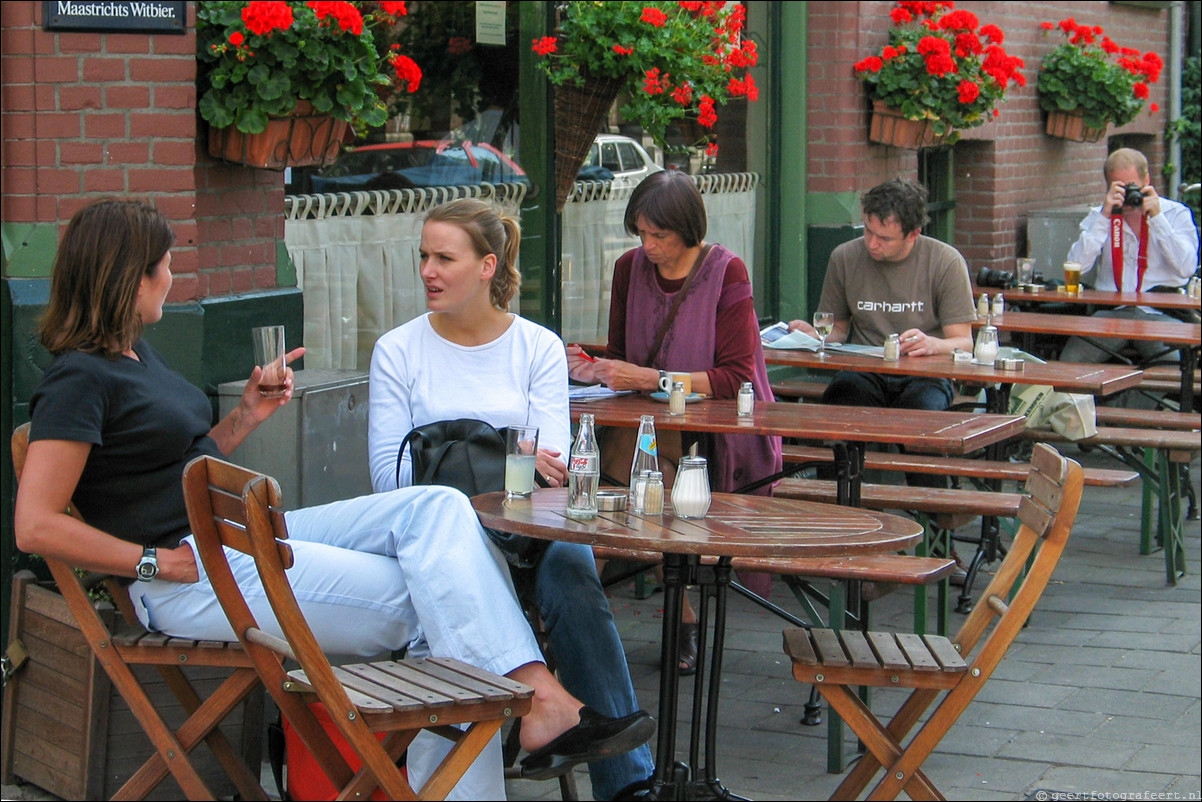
pixel 299 72
pixel 1089 82
pixel 672 61
pixel 941 73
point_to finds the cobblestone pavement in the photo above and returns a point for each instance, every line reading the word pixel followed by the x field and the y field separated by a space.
pixel 1100 694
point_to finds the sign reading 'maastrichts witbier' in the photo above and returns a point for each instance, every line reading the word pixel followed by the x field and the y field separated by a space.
pixel 115 16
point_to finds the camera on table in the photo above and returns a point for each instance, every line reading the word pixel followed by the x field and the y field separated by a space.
pixel 999 279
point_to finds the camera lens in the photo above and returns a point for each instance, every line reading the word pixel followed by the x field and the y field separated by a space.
pixel 1001 279
pixel 1133 196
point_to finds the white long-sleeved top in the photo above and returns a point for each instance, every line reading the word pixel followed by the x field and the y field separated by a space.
pixel 1172 248
pixel 418 377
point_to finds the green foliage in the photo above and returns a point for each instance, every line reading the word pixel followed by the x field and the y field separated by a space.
pixel 1092 75
pixel 675 61
pixel 247 77
pixel 1190 131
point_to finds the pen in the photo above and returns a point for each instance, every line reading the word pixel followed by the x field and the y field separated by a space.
pixel 585 355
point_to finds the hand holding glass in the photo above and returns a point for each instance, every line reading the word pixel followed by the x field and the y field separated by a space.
pixel 521 451
pixel 269 355
pixel 824 323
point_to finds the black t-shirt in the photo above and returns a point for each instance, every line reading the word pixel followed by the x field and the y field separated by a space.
pixel 144 420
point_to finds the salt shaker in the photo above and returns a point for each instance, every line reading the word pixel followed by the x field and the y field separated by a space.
pixel 691 491
pixel 638 491
pixel 999 305
pixel 892 348
pixel 983 305
pixel 653 493
pixel 746 400
pixel 676 399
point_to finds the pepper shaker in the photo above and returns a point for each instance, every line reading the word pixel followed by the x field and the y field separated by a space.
pixel 892 348
pixel 746 400
pixel 676 399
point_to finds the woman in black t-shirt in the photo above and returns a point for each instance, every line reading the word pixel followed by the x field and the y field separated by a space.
pixel 112 429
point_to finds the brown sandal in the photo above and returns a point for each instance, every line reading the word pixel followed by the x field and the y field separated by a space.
pixel 686 653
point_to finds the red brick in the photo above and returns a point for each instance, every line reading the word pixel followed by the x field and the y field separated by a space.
pixel 18 15
pixel 74 98
pixel 17 98
pixel 106 126
pixel 61 126
pixel 82 153
pixel 175 97
pixel 104 70
pixel 174 153
pixel 162 125
pixel 184 288
pixel 123 152
pixel 56 69
pixel 127 97
pixel 128 44
pixel 96 180
pixel 17 69
pixel 59 182
pixel 163 70
pixel 168 180
pixel 19 208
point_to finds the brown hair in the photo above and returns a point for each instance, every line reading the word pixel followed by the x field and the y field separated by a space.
pixel 489 232
pixel 668 199
pixel 107 248
pixel 902 199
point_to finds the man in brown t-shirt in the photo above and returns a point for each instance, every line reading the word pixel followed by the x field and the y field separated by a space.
pixel 895 280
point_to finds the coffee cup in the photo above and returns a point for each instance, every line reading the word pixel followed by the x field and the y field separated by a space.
pixel 666 381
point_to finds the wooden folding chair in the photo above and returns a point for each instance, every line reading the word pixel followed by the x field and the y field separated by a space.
pixel 837 662
pixel 119 651
pixel 239 509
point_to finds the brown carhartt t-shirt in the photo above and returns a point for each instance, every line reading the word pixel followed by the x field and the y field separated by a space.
pixel 927 290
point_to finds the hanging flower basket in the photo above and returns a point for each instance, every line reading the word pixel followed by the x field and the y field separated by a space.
pixel 302 139
pixel 1070 125
pixel 891 127
pixel 579 114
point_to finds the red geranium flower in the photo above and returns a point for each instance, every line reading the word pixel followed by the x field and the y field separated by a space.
pixel 545 45
pixel 654 16
pixel 968 91
pixel 264 16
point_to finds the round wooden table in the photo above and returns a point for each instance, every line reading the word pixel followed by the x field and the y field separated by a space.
pixel 736 526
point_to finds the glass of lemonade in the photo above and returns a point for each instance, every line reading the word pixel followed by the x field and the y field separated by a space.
pixel 521 450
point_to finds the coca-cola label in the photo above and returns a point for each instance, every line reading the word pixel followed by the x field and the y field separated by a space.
pixel 581 463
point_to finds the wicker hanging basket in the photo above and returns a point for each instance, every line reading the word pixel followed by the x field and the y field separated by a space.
pixel 302 139
pixel 579 114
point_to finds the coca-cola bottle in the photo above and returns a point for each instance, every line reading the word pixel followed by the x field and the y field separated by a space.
pixel 584 471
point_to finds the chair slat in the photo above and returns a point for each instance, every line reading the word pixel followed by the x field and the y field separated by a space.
pixel 798 647
pixel 399 678
pixel 1045 489
pixel 359 700
pixel 943 650
pixel 385 692
pixel 482 690
pixel 826 643
pixel 887 651
pixel 494 680
pixel 916 652
pixel 1035 516
pixel 857 648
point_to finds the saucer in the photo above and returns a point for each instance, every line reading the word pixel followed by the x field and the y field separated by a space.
pixel 688 399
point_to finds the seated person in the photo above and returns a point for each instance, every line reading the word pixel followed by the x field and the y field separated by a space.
pixel 470 358
pixel 1155 245
pixel 895 280
pixel 112 429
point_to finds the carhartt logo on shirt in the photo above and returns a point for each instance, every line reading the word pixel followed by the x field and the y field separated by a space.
pixel 885 306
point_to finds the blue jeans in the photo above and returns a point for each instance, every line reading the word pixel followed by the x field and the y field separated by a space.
pixel 853 389
pixel 588 654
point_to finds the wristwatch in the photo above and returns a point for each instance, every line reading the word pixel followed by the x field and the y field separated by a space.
pixel 148 566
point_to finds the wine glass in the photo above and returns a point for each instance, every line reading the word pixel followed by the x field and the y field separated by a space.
pixel 824 322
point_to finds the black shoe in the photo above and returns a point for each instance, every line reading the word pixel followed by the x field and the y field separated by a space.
pixel 635 791
pixel 686 653
pixel 594 738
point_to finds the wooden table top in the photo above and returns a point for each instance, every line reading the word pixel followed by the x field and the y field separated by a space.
pixel 947 432
pixel 1066 377
pixel 736 526
pixel 1173 332
pixel 1156 300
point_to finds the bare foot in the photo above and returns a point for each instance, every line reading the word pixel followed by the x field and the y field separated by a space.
pixel 554 711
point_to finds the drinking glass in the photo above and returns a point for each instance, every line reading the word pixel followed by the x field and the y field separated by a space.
pixel 269 355
pixel 824 323
pixel 521 450
pixel 1026 268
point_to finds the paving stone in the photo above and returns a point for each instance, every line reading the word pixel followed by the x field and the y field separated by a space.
pixel 1082 780
pixel 1125 703
pixel 1062 749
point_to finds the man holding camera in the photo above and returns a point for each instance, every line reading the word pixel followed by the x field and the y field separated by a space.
pixel 1151 240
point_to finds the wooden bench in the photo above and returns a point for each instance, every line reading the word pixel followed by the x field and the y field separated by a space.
pixel 1148 418
pixel 1162 457
pixel 956 466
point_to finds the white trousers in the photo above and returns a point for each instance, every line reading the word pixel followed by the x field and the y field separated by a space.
pixel 410 568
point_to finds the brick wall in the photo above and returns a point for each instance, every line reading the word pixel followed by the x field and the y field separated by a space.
pixel 1005 169
pixel 87 115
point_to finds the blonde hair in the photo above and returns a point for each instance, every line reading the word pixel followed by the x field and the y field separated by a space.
pixel 489 232
pixel 1123 158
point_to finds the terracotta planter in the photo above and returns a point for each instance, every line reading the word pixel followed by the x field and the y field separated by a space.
pixel 1070 125
pixel 890 127
pixel 301 140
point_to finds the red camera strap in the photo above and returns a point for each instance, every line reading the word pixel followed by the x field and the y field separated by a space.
pixel 1116 251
